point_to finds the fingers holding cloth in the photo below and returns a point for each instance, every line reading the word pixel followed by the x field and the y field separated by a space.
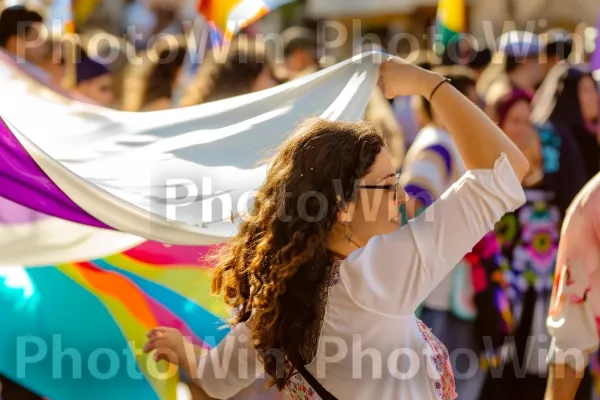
pixel 168 344
pixel 400 78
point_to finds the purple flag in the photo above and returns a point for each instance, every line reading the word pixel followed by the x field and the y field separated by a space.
pixel 23 181
pixel 595 62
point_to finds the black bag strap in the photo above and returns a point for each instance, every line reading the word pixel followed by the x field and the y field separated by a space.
pixel 312 381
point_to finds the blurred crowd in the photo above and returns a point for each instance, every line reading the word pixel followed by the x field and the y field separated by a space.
pixel 546 104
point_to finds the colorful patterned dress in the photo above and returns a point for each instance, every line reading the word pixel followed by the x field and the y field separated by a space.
pixel 529 239
pixel 471 302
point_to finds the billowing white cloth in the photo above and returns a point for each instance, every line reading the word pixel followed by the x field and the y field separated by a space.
pixel 175 176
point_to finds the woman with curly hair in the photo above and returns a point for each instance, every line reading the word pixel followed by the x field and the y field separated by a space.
pixel 322 263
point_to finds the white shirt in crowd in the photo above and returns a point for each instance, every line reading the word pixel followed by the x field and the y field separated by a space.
pixel 371 345
pixel 432 165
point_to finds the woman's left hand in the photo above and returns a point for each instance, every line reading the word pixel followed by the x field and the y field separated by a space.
pixel 170 345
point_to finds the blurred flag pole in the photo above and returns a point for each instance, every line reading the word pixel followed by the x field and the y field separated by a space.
pixel 61 23
pixel 71 50
pixel 595 61
pixel 451 22
pixel 198 33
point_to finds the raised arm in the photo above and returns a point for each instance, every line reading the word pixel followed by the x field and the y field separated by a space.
pixel 394 273
pixel 479 140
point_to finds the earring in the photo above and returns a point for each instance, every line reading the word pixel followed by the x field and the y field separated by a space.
pixel 346 235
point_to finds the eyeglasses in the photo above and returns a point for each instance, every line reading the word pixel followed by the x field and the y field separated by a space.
pixel 392 188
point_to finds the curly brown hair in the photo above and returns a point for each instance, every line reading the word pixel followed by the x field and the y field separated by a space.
pixel 273 272
pixel 229 75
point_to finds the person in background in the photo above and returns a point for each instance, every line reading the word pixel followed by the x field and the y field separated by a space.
pixel 480 61
pixel 48 69
pixel 461 52
pixel 221 79
pixel 115 53
pixel 94 81
pixel 161 81
pixel 51 60
pixel 138 13
pixel 522 66
pixel 433 147
pixel 18 26
pixel 569 96
pixel 516 65
pixel 406 107
pixel 529 239
pixel 558 45
pixel 379 112
pixel 150 87
pixel 300 50
pixel 575 307
pixel 465 306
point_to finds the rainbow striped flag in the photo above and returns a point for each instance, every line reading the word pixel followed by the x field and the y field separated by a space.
pixel 109 304
pixel 228 17
pixel 451 22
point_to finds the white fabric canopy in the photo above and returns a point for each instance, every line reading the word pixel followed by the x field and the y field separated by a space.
pixel 158 174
